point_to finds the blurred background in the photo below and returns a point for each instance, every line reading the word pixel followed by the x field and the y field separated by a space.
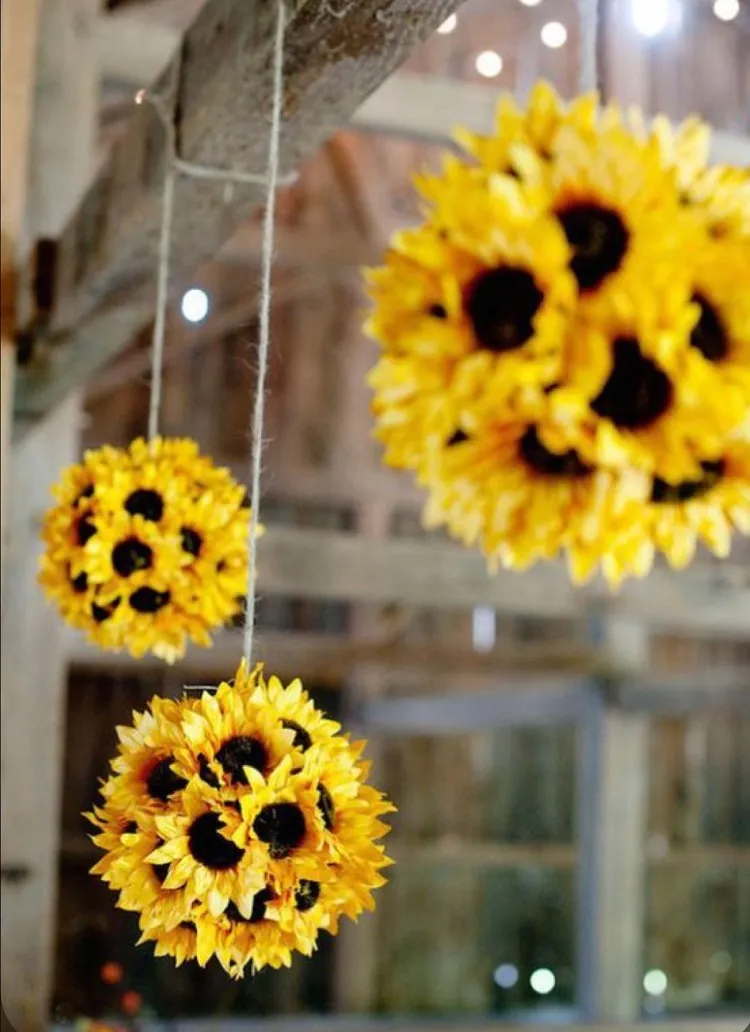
pixel 572 769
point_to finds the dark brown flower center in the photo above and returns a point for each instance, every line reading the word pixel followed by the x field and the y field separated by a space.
pixel 80 583
pixel 326 806
pixel 206 774
pixel 282 826
pixel 307 894
pixel 131 555
pixel 637 391
pixel 459 437
pixel 501 305
pixel 146 503
pixel 260 902
pixel 599 241
pixel 147 600
pixel 191 541
pixel 209 847
pixel 437 311
pixel 709 335
pixel 302 739
pixel 102 613
pixel 241 752
pixel 163 782
pixel 85 530
pixel 665 493
pixel 543 461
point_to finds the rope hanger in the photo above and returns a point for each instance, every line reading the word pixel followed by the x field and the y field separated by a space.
pixel 272 180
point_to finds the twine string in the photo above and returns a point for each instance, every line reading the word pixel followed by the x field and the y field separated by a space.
pixel 264 328
pixel 177 166
pixel 589 14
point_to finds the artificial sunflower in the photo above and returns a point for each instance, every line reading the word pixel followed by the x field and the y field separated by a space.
pixel 473 306
pixel 239 824
pixel 146 548
pixel 536 407
pixel 518 500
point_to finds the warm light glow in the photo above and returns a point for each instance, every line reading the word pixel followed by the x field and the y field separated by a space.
pixel 554 35
pixel 489 64
pixel 448 25
pixel 655 982
pixel 195 305
pixel 652 17
pixel 543 981
pixel 727 10
pixel 531 3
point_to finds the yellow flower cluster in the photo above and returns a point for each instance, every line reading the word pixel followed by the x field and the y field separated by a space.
pixel 239 825
pixel 146 548
pixel 566 341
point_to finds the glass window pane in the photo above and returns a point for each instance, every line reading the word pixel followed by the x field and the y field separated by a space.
pixel 456 939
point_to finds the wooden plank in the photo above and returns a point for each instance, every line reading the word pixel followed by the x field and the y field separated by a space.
pixel 428 108
pixel 328 659
pixel 221 87
pixel 358 1023
pixel 437 574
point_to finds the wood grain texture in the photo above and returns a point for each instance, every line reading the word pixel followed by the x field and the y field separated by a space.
pixel 438 574
pixel 220 89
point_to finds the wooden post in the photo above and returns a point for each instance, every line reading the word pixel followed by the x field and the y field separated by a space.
pixel 19 35
pixel 613 807
pixel 33 641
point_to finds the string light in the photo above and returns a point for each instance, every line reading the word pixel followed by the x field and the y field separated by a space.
pixel 554 35
pixel 726 10
pixel 448 25
pixel 543 981
pixel 531 3
pixel 505 976
pixel 653 17
pixel 655 982
pixel 489 64
pixel 195 305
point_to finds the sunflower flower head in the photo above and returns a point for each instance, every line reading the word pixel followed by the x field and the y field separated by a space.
pixel 146 547
pixel 239 824
pixel 565 340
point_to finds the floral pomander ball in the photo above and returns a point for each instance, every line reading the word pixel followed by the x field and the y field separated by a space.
pixel 239 824
pixel 146 548
pixel 565 341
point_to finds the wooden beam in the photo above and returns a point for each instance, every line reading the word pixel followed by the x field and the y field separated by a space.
pixel 428 108
pixel 34 669
pixel 220 85
pixel 437 574
pixel 328 659
pixel 613 787
pixel 33 693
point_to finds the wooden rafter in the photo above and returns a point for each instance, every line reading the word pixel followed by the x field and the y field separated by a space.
pixel 220 89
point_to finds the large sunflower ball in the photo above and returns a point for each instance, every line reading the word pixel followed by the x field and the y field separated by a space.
pixel 565 341
pixel 238 824
pixel 146 548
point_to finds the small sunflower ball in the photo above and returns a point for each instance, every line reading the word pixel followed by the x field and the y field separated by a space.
pixel 146 548
pixel 239 824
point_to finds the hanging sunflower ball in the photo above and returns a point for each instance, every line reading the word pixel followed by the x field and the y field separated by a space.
pixel 565 341
pixel 239 824
pixel 146 548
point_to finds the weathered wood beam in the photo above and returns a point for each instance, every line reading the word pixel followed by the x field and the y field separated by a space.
pixel 429 108
pixel 220 87
pixel 437 574
pixel 328 659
